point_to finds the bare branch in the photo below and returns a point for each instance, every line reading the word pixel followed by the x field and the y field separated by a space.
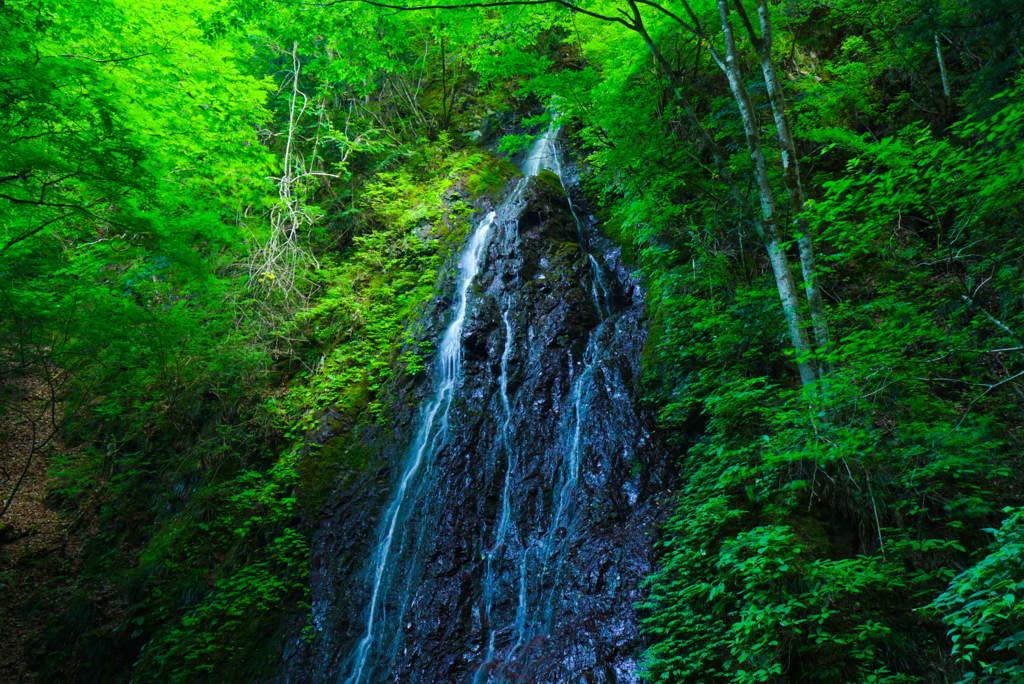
pixel 978 398
pixel 16 177
pixel 745 20
pixel 695 29
pixel 105 61
pixel 39 203
pixel 995 321
pixel 29 233
pixel 471 5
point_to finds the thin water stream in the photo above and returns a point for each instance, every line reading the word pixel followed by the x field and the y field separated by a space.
pixel 498 547
pixel 431 434
pixel 552 551
pixel 428 441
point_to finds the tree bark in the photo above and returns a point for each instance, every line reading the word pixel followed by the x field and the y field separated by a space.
pixel 784 280
pixel 942 66
pixel 790 177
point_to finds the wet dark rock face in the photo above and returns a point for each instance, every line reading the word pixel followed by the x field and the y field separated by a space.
pixel 560 589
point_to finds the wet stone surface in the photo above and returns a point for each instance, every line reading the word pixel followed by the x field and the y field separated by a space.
pixel 522 543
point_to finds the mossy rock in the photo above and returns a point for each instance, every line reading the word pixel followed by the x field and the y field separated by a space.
pixel 551 181
pixel 565 250
pixel 341 458
pixel 810 534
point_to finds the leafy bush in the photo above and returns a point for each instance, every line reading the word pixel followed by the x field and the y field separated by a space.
pixel 983 610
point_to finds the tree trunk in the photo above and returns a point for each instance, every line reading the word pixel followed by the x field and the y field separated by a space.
pixel 942 66
pixel 784 279
pixel 766 224
pixel 791 178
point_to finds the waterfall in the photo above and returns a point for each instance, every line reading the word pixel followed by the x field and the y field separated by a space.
pixel 543 153
pixel 553 549
pixel 428 440
pixel 432 433
pixel 516 532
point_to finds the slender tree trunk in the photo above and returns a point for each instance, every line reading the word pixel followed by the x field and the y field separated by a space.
pixel 717 154
pixel 784 279
pixel 942 66
pixel 444 85
pixel 790 177
pixel 767 223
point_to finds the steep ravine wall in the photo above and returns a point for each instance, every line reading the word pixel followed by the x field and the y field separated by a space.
pixel 555 601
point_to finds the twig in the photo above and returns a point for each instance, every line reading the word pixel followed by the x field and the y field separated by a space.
pixel 104 61
pixel 995 321
pixel 978 398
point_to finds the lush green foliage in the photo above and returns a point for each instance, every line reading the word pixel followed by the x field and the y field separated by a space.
pixel 982 610
pixel 374 290
pixel 140 150
pixel 815 525
pixel 220 221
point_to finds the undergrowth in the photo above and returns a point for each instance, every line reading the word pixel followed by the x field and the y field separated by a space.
pixel 202 492
pixel 844 532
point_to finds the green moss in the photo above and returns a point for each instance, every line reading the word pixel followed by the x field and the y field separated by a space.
pixel 326 467
pixel 551 181
pixel 563 249
pixel 809 533
pixel 649 358
pixel 374 294
pixel 346 451
pixel 610 224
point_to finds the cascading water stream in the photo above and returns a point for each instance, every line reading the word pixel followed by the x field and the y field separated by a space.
pixel 602 300
pixel 498 548
pixel 562 519
pixel 599 289
pixel 552 550
pixel 543 154
pixel 429 441
pixel 543 150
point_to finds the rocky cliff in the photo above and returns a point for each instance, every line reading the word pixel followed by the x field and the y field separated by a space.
pixel 520 546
